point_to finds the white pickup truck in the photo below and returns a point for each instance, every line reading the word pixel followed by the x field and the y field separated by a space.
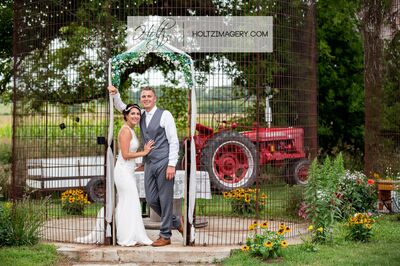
pixel 57 174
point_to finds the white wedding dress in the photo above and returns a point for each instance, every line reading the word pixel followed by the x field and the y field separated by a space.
pixel 128 213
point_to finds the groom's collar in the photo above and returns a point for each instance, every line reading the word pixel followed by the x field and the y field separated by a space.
pixel 152 111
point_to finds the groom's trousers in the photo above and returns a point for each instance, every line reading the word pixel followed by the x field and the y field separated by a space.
pixel 159 195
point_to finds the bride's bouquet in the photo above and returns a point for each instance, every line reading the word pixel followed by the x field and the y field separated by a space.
pixel 74 201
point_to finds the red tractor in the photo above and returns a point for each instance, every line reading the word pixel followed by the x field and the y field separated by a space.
pixel 231 158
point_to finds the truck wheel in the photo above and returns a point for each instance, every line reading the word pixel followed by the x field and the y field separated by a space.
pixel 95 189
pixel 230 160
pixel 298 174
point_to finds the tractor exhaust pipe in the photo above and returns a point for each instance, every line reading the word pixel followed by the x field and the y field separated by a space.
pixel 268 111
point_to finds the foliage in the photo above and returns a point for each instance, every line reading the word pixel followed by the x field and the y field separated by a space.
pixel 340 74
pixel 74 201
pixel 175 100
pixel 360 227
pixel 6 24
pixel 245 200
pixel 388 174
pixel 5 180
pixel 5 153
pixel 266 243
pixel 320 196
pixel 21 222
pixel 357 193
pixel 309 244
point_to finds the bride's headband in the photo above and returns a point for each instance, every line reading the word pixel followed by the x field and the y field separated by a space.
pixel 128 109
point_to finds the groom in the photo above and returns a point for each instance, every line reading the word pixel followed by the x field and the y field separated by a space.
pixel 159 165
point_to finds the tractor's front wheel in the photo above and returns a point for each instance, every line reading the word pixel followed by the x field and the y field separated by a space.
pixel 230 160
pixel 298 172
pixel 95 189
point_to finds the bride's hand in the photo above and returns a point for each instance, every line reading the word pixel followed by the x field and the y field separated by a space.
pixel 148 146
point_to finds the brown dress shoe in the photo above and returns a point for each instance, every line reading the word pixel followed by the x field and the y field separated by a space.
pixel 161 242
pixel 180 227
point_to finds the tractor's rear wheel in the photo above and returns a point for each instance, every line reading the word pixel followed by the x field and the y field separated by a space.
pixel 298 172
pixel 230 160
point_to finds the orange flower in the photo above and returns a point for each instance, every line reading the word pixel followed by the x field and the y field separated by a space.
pixel 371 181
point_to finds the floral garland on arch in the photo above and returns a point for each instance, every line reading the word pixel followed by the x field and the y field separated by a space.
pixel 125 60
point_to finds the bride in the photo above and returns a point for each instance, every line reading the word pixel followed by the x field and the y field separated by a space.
pixel 128 214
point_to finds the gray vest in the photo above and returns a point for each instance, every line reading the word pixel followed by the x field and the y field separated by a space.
pixel 155 132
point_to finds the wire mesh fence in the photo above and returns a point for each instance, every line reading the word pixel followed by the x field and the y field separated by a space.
pixel 256 124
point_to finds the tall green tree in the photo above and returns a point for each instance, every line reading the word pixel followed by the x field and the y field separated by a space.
pixel 6 29
pixel 340 70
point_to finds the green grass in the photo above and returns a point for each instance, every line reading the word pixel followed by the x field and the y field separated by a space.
pixel 41 254
pixel 277 206
pixel 54 210
pixel 383 249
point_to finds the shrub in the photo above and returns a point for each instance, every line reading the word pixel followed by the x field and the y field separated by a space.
pixel 360 227
pixel 74 201
pixel 321 198
pixel 5 180
pixel 21 222
pixel 266 244
pixel 244 200
pixel 5 153
pixel 357 193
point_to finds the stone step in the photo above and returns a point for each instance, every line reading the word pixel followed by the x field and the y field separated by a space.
pixel 174 253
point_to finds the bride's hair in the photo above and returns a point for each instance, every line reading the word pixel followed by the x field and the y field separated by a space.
pixel 129 107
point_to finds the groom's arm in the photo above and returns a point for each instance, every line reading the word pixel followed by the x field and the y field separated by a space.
pixel 168 123
pixel 118 103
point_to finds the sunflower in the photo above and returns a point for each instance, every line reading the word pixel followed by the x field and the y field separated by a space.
pixel 282 226
pixel 268 244
pixel 284 243
pixel 287 229
pixel 264 225
pixel 281 231
pixel 245 248
pixel 252 227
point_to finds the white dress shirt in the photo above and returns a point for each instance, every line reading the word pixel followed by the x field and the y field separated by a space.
pixel 167 122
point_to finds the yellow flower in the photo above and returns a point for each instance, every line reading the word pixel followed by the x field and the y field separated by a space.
pixel 252 227
pixel 247 198
pixel 268 244
pixel 245 248
pixel 287 229
pixel 284 244
pixel 310 228
pixel 368 226
pixel 282 226
pixel 255 222
pixel 281 231
pixel 264 225
pixel 71 199
pixel 377 176
pixel 263 196
pixel 320 229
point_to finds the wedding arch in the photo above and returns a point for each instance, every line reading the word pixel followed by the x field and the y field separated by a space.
pixel 117 66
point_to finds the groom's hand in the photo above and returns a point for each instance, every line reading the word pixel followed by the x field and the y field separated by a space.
pixel 170 172
pixel 112 90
